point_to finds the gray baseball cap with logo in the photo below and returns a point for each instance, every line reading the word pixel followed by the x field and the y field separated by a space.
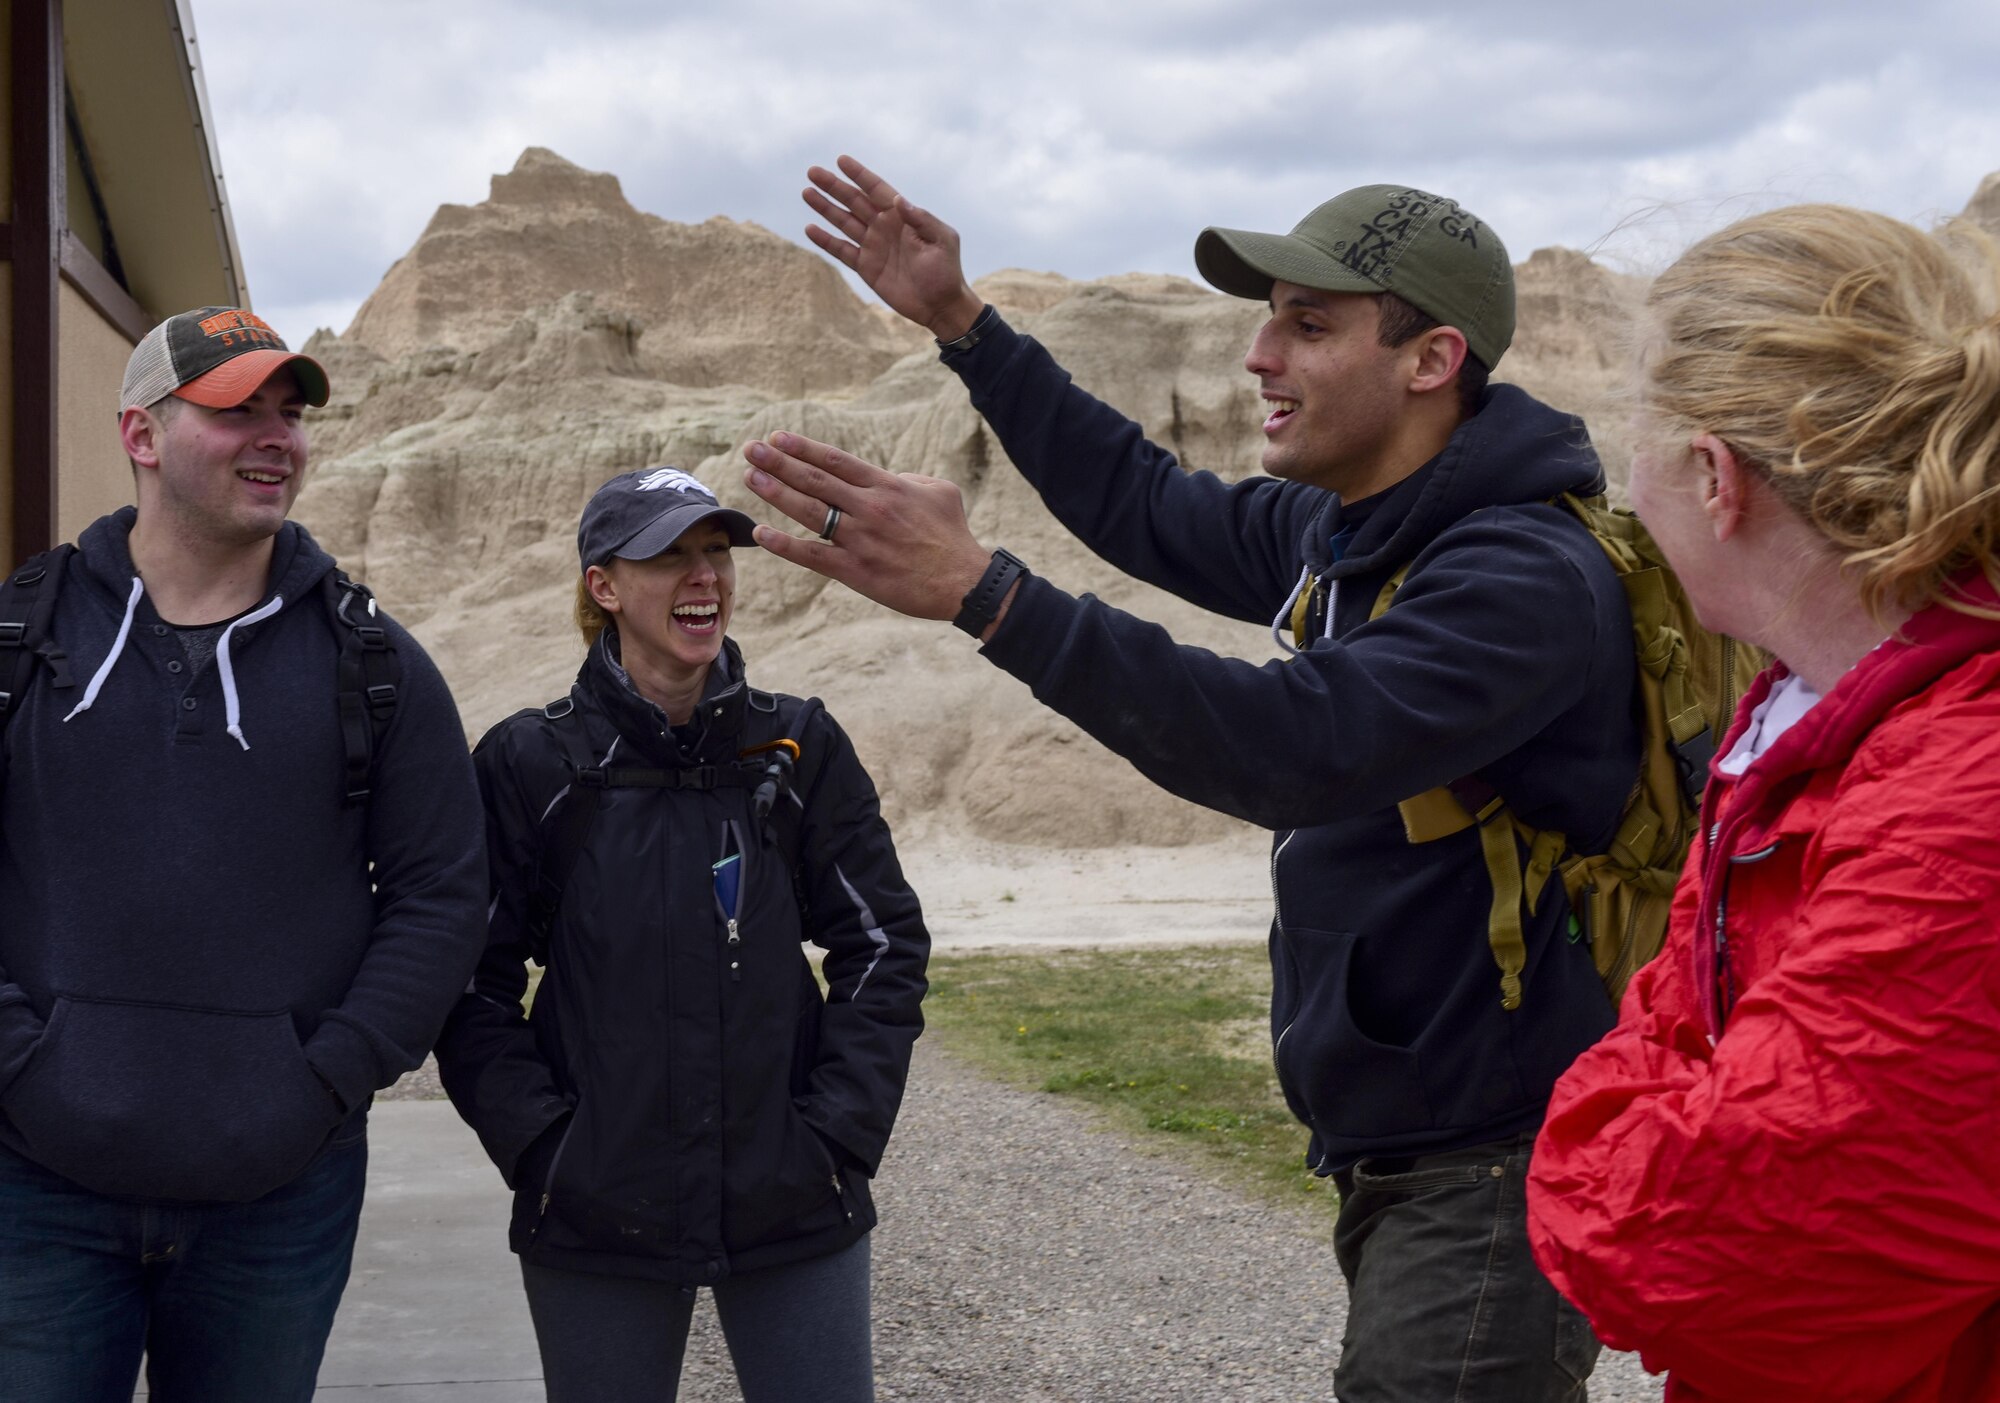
pixel 637 515
pixel 1427 249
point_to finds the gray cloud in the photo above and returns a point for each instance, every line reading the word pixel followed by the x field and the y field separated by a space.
pixel 1088 138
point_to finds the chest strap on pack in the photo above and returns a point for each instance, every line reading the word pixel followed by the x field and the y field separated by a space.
pixel 576 809
pixel 634 777
pixel 1455 807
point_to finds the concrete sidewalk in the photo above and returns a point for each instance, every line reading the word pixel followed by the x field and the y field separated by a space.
pixel 1027 1255
pixel 434 1311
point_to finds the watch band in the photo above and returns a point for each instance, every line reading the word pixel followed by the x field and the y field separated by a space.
pixel 982 602
pixel 972 335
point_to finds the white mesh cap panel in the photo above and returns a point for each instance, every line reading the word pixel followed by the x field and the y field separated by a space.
pixel 149 375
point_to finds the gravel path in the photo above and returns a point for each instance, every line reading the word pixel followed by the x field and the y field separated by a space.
pixel 1028 1254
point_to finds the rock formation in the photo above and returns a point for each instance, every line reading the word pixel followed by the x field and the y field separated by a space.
pixel 530 347
pixel 718 303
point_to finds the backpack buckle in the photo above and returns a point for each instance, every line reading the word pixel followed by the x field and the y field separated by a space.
pixel 13 635
pixel 590 777
pixel 382 696
pixel 372 637
pixel 1692 757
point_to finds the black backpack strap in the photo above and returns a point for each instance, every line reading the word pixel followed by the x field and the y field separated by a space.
pixel 781 776
pixel 632 777
pixel 566 829
pixel 367 677
pixel 27 605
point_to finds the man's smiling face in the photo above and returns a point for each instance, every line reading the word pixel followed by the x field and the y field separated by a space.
pixel 1335 394
pixel 230 476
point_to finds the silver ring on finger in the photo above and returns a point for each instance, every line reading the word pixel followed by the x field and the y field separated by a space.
pixel 832 524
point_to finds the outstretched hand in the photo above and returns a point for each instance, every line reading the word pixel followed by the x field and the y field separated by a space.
pixel 907 255
pixel 901 538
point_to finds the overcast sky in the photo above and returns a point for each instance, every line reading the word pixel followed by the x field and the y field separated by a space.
pixel 1089 138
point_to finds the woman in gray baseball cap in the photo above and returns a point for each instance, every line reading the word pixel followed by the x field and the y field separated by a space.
pixel 683 1107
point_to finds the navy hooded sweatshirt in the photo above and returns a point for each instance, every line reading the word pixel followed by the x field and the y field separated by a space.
pixel 1508 655
pixel 201 976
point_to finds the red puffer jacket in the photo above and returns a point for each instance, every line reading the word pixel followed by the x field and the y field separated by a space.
pixel 1779 1176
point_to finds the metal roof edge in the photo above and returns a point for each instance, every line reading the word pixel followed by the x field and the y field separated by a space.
pixel 181 18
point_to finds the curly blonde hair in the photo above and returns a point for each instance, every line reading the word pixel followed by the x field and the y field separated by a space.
pixel 1853 361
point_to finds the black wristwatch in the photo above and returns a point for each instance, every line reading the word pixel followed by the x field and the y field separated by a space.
pixel 981 605
pixel 970 337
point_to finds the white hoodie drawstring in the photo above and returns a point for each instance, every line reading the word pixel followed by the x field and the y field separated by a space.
pixel 117 647
pixel 1283 619
pixel 232 708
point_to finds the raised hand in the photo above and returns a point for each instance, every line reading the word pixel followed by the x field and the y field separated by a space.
pixel 900 538
pixel 907 255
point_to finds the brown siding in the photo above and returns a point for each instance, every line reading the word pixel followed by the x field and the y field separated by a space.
pixel 92 474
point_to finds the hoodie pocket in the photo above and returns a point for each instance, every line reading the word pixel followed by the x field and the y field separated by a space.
pixel 156 1101
pixel 1352 1086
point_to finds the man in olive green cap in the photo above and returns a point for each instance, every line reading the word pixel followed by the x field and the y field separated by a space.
pixel 1504 669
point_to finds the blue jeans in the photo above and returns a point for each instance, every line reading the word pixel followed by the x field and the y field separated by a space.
pixel 797 1331
pixel 1445 1303
pixel 230 1303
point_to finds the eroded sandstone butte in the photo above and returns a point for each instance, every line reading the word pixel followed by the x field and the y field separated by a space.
pixel 529 347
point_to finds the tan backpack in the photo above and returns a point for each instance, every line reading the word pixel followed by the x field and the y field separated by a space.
pixel 1689 683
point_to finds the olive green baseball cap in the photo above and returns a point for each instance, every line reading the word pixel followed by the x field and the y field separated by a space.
pixel 1427 249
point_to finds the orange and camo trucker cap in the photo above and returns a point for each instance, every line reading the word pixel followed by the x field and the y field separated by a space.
pixel 214 356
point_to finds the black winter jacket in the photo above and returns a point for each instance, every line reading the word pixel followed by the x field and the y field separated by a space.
pixel 209 961
pixel 725 1116
pixel 1508 655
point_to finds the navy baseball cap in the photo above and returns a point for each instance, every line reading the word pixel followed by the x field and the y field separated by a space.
pixel 637 515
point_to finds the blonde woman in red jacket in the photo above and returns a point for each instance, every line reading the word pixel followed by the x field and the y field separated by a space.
pixel 1779 1177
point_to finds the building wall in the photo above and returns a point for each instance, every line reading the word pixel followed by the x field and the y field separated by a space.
pixel 92 474
pixel 143 228
pixel 6 108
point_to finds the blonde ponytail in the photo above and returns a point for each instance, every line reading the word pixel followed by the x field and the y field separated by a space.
pixel 1855 361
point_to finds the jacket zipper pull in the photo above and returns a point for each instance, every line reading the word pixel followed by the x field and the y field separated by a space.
pixel 1723 976
pixel 729 898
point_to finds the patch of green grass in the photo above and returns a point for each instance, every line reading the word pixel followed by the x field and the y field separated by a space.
pixel 1171 1043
